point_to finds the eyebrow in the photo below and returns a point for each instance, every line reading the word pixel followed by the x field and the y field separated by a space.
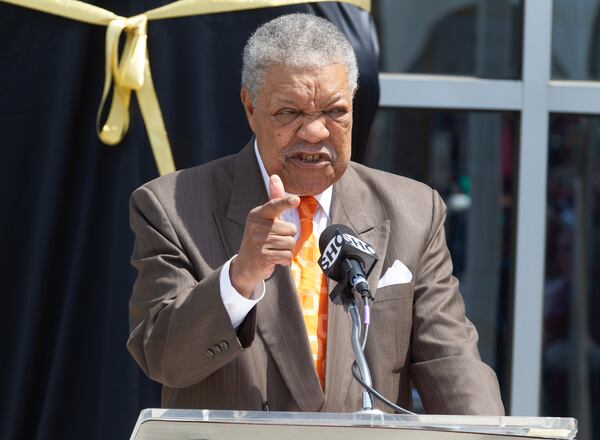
pixel 284 99
pixel 335 98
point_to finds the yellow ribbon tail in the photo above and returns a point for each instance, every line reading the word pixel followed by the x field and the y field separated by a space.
pixel 117 123
pixel 115 128
pixel 155 125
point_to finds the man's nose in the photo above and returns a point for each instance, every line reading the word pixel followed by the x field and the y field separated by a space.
pixel 313 130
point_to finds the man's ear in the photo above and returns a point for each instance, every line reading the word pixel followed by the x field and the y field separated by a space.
pixel 248 106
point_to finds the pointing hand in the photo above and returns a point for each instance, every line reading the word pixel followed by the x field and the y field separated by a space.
pixel 267 240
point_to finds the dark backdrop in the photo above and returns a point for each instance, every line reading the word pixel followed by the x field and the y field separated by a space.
pixel 66 242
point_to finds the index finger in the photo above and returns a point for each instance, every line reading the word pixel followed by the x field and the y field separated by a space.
pixel 275 207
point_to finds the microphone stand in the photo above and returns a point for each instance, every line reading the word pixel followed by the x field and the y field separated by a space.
pixel 359 355
pixel 360 368
pixel 358 343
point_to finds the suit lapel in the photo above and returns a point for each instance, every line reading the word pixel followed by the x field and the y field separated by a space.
pixel 279 317
pixel 248 191
pixel 281 324
pixel 367 219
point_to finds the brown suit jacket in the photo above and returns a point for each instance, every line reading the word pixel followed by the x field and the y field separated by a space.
pixel 188 224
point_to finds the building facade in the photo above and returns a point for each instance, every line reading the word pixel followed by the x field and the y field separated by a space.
pixel 496 104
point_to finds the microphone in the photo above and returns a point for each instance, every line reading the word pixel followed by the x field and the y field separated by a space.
pixel 345 258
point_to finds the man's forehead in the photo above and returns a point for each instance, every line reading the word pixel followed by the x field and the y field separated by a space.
pixel 287 85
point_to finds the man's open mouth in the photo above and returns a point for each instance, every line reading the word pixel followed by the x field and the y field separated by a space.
pixel 310 158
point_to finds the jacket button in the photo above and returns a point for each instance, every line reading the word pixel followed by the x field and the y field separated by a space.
pixel 217 349
pixel 210 353
pixel 224 345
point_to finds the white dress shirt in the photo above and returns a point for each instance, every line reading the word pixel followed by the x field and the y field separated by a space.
pixel 239 306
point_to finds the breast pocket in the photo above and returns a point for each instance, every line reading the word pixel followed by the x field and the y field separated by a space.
pixel 391 321
pixel 394 292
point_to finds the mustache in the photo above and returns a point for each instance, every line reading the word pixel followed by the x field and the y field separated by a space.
pixel 305 147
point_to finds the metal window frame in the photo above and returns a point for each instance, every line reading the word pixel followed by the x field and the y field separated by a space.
pixel 535 96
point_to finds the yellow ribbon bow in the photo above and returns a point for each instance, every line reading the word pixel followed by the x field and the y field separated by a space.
pixel 131 73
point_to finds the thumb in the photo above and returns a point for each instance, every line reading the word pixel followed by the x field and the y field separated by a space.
pixel 276 190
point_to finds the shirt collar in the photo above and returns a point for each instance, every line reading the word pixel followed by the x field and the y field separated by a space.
pixel 323 198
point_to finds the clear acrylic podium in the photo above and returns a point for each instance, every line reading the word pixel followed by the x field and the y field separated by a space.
pixel 178 424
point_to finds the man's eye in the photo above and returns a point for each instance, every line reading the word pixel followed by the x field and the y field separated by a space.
pixel 286 116
pixel 337 113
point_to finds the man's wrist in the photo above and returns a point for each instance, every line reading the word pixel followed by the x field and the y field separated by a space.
pixel 237 305
pixel 243 284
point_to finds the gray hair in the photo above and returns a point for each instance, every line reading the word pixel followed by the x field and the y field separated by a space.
pixel 297 41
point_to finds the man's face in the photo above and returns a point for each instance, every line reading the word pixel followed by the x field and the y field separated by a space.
pixel 303 125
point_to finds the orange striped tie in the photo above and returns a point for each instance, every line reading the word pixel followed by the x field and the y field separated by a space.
pixel 311 285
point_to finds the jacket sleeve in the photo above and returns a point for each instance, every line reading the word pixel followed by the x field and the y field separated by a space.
pixel 445 364
pixel 180 331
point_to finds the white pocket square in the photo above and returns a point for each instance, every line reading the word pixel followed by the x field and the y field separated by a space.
pixel 397 273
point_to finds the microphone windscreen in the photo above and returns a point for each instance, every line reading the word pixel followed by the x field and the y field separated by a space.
pixel 330 232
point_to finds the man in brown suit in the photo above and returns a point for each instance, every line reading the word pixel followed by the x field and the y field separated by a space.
pixel 214 314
